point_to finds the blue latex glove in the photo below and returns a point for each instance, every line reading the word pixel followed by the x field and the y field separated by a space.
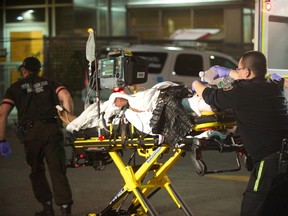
pixel 276 76
pixel 221 71
pixel 5 149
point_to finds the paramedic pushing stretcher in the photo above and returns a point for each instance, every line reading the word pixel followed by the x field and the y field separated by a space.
pixel 261 114
pixel 35 99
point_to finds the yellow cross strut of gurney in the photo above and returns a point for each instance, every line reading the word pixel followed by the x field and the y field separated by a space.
pixel 134 180
pixel 160 179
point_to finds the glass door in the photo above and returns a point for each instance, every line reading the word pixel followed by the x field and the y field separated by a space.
pixel 21 41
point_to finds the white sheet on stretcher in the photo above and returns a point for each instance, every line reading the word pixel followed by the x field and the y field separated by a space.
pixel 145 101
pixel 89 117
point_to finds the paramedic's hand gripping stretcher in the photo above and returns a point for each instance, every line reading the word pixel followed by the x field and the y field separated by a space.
pixel 167 117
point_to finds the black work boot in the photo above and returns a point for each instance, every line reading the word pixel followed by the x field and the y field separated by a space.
pixel 66 210
pixel 47 210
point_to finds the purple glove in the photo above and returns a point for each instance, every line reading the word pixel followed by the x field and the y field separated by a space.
pixel 5 149
pixel 276 76
pixel 221 71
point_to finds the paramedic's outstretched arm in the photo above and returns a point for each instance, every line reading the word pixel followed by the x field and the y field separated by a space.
pixel 66 100
pixel 216 72
pixel 198 87
pixel 233 74
pixel 5 109
pixel 224 72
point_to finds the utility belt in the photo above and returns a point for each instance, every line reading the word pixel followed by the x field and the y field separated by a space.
pixel 39 122
pixel 282 157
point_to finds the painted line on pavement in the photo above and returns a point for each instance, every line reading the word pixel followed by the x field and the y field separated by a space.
pixel 229 177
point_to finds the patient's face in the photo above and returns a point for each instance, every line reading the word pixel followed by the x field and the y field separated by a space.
pixel 120 102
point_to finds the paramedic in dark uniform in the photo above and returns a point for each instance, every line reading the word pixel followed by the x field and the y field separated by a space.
pixel 261 114
pixel 35 99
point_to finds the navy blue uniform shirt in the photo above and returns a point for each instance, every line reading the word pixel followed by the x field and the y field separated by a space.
pixel 260 110
pixel 34 97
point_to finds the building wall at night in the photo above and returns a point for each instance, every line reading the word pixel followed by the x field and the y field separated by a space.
pixel 27 26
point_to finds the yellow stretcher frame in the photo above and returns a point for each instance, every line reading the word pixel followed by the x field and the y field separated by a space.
pixel 215 125
pixel 134 183
pixel 134 179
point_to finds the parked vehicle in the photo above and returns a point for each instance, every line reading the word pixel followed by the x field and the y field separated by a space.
pixel 177 64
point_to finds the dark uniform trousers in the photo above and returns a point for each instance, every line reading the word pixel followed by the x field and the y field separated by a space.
pixel 46 141
pixel 267 191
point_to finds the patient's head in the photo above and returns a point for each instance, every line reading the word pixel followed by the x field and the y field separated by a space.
pixel 120 102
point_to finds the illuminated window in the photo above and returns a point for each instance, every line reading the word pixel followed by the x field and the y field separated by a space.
pixel 144 25
pixel 173 20
pixel 26 2
pixel 209 18
pixel 248 27
pixel 25 15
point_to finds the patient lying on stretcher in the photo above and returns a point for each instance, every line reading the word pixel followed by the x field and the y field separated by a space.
pixel 139 112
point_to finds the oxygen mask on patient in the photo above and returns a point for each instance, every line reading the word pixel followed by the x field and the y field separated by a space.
pixel 209 77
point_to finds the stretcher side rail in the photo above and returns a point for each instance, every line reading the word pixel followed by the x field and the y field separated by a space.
pixel 126 136
pixel 95 151
pixel 214 121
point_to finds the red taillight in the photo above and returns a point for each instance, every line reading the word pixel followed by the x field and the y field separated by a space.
pixel 268 6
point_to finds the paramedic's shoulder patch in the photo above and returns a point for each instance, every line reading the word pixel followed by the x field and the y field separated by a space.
pixel 228 88
pixel 236 84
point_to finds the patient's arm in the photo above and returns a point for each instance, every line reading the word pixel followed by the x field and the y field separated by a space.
pixel 197 105
pixel 66 117
pixel 135 110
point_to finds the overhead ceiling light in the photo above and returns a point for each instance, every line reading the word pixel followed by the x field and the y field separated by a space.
pixel 19 18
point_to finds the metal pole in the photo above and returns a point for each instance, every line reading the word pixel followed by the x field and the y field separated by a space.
pixel 109 17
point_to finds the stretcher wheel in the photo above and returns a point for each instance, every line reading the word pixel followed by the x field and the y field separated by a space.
pixel 199 165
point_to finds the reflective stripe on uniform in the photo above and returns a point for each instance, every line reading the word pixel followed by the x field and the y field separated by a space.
pixel 8 101
pixel 259 174
pixel 59 89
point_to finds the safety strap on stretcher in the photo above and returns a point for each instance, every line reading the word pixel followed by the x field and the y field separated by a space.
pixel 213 120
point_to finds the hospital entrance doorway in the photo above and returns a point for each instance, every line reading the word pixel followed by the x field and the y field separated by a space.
pixel 21 40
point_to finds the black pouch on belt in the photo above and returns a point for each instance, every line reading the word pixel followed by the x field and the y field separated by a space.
pixel 283 158
pixel 19 132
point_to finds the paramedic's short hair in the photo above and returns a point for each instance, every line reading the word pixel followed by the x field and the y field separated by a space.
pixel 255 61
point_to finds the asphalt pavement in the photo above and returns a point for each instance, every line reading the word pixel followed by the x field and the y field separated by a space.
pixel 208 195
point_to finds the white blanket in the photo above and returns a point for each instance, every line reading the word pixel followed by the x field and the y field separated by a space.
pixel 89 117
pixel 144 101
